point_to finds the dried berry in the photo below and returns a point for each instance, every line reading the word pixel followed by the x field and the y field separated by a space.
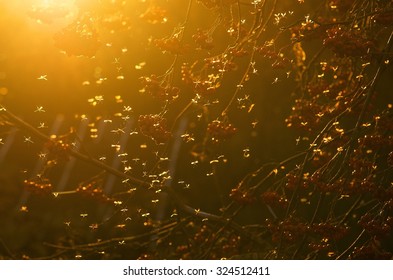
pixel 38 186
pixel 94 192
pixel 80 38
pixel 274 199
pixel 158 88
pixel 220 130
pixel 154 126
pixel 347 43
pixel 172 45
pixel 203 39
pixel 241 196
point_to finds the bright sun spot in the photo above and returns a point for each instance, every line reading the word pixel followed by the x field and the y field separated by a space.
pixel 55 2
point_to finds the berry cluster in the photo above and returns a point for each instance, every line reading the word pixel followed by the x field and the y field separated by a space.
pixel 385 195
pixel 305 181
pixel 384 18
pixel 38 186
pixel 186 74
pixel 328 230
pixel 321 158
pixel 335 88
pixel 183 251
pixel 289 230
pixel 376 227
pixel 172 45
pixel 202 84
pixel 227 245
pixel 320 246
pixel 203 39
pixel 308 30
pixel 94 192
pixel 361 162
pixel 341 5
pixel 357 186
pixel 154 14
pixel 147 256
pixel 305 114
pixel 385 122
pixel 220 130
pixel 202 235
pixel 241 196
pixel 274 199
pixel 370 252
pixel 154 126
pixel 347 43
pixel 335 186
pixel 205 88
pixel 79 38
pixel 292 181
pixel 239 52
pixel 59 150
pixel 375 142
pixel 153 86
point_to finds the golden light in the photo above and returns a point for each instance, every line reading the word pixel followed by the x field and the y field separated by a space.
pixel 47 11
pixel 54 2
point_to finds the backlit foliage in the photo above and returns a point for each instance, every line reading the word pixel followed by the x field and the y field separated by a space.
pixel 205 129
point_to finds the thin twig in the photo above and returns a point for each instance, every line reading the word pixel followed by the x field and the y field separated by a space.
pixel 352 245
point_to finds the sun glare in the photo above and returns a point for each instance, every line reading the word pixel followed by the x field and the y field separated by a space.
pixel 55 2
pixel 49 11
